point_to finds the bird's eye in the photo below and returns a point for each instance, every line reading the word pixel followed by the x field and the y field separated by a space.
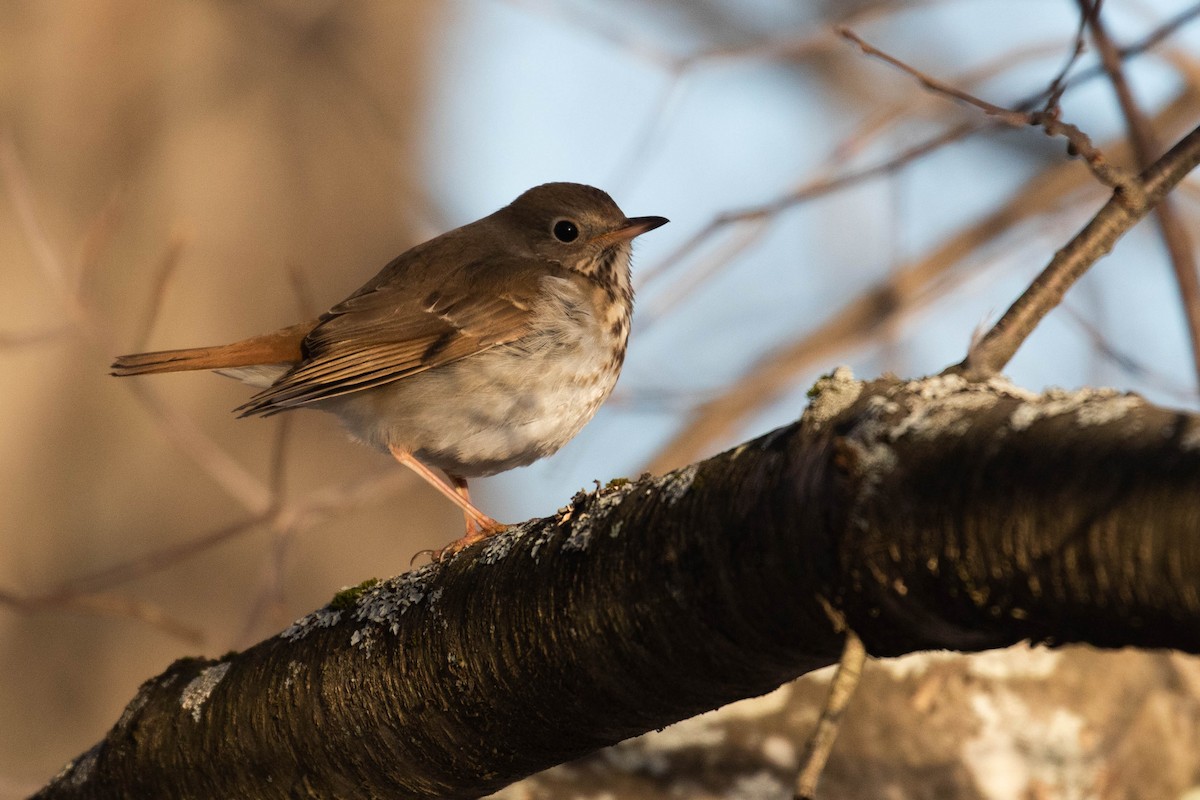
pixel 566 231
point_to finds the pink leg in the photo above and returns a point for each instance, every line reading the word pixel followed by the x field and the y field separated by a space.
pixel 460 489
pixel 478 524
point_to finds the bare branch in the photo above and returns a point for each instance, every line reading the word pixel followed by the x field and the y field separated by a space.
pixel 1117 216
pixel 167 266
pixel 1048 120
pixel 1145 150
pixel 653 600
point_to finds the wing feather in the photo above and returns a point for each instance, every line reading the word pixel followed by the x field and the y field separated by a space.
pixel 392 331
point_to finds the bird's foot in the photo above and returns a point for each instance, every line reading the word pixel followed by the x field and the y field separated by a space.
pixel 477 531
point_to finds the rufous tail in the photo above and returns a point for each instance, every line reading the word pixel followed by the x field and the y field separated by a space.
pixel 280 347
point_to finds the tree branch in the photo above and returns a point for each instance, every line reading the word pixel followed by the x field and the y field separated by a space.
pixel 1119 214
pixel 1145 148
pixel 904 289
pixel 924 514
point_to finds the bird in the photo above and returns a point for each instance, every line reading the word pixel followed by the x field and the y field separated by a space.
pixel 483 349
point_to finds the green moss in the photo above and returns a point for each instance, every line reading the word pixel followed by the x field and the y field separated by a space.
pixel 819 385
pixel 617 483
pixel 348 598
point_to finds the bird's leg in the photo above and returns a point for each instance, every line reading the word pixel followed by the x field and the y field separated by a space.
pixel 460 488
pixel 478 524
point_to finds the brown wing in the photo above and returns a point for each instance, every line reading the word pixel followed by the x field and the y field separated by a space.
pixel 397 329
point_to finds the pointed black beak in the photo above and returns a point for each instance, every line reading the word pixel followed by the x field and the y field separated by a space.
pixel 635 226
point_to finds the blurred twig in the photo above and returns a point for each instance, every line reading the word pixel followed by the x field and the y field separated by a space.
pixel 1126 362
pixel 14 339
pixel 167 266
pixel 856 322
pixel 841 691
pixel 1145 149
pixel 90 592
pixel 753 222
pixel 1048 119
pixel 266 503
pixel 227 473
pixel 104 604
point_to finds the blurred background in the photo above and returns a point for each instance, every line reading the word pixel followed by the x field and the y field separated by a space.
pixel 184 173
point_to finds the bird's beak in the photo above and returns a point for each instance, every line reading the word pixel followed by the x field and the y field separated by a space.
pixel 634 226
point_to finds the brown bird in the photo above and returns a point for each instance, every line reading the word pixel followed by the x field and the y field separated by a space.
pixel 481 350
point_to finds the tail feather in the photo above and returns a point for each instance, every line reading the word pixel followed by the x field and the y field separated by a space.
pixel 280 347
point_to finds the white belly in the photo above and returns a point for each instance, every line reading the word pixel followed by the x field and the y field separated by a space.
pixel 499 409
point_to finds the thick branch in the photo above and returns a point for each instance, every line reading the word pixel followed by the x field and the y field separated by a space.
pixel 927 514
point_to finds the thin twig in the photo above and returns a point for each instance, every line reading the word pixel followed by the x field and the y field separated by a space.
pixel 1128 363
pixel 104 604
pixel 841 691
pixel 167 266
pixel 219 465
pixel 1142 140
pixel 907 289
pixel 151 562
pixel 16 339
pixel 1045 97
pixel 1119 214
pixel 1048 120
pixel 1058 86
pixel 96 240
pixel 757 218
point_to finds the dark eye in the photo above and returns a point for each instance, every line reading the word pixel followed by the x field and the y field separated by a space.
pixel 566 231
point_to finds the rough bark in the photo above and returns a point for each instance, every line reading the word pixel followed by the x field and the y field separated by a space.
pixel 924 514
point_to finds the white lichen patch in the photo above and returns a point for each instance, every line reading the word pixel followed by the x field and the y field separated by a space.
pixel 596 516
pixel 321 618
pixel 542 540
pixel 497 548
pixel 938 406
pixel 935 387
pixel 382 605
pixel 674 485
pixel 75 773
pixel 199 688
pixel 1019 752
pixel 947 405
pixel 1106 411
pixel 831 395
pixel 1003 386
pixel 951 416
pixel 1090 406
